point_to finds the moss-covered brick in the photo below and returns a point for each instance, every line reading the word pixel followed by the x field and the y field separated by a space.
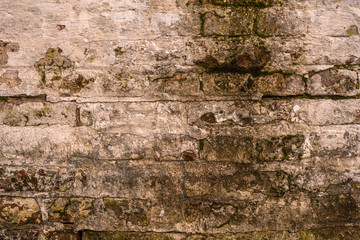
pixel 16 210
pixel 232 23
pixel 238 149
pixel 70 210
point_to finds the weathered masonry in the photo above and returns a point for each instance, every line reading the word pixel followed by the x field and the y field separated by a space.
pixel 179 119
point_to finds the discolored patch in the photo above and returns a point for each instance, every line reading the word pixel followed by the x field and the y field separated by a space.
pixel 10 78
pixel 57 72
pixel 6 47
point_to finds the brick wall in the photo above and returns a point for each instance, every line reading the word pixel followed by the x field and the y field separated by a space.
pixel 179 119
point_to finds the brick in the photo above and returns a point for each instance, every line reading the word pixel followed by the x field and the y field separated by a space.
pixel 134 212
pixel 247 149
pixel 334 233
pixel 18 234
pixel 228 23
pixel 70 210
pixel 63 236
pixel 129 180
pixel 36 179
pixel 333 81
pixel 280 22
pixel 237 182
pixel 37 113
pixel 15 210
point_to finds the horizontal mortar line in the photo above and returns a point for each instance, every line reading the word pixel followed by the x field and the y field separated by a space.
pixel 141 63
pixel 190 67
pixel 224 127
pixel 120 40
pixel 53 193
pixel 57 194
pixel 34 165
pixel 185 134
pixel 230 99
pixel 311 97
pixel 96 163
pixel 343 225
pixel 44 97
pixel 142 100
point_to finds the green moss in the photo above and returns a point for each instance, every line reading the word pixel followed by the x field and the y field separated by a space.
pixel 56 78
pixel 255 27
pixel 331 233
pixel 163 78
pixel 244 3
pixel 352 30
pixel 42 77
pixel 91 59
pixel 291 182
pixel 346 66
pixel 118 52
pixel 201 86
pixel 201 146
pixel 305 80
pixel 62 212
pixel 202 24
pixel 230 68
pixel 50 53
pixel 277 191
pixel 139 218
pixel 248 65
pixel 3 99
pixel 30 221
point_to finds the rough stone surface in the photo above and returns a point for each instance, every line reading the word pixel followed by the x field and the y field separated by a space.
pixel 180 119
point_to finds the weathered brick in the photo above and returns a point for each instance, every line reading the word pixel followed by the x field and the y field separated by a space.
pixel 335 208
pixel 114 146
pixel 63 236
pixel 135 212
pixel 70 210
pixel 15 210
pixel 129 180
pixel 237 22
pixel 191 119
pixel 336 233
pixel 236 181
pixel 19 234
pixel 333 82
pixel 36 179
pixel 247 85
pixel 37 113
pixel 248 149
pixel 280 22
